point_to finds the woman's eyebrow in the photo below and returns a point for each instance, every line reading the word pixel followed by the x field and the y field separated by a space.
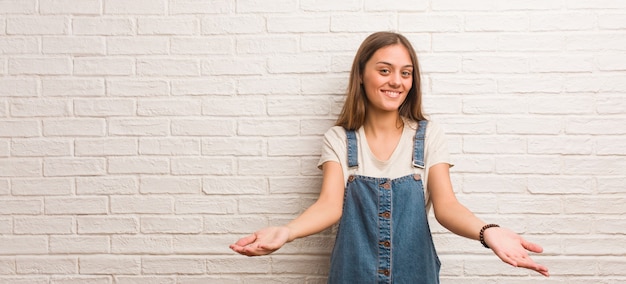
pixel 387 63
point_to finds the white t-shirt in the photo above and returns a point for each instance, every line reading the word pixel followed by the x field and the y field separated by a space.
pixel 400 162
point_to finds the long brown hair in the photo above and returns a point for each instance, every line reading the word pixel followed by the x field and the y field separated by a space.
pixel 352 115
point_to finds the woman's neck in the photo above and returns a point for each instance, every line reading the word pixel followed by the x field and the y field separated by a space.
pixel 383 124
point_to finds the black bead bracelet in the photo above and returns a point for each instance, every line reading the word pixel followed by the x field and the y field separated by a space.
pixel 481 236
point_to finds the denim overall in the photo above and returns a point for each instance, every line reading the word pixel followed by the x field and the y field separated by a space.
pixel 383 235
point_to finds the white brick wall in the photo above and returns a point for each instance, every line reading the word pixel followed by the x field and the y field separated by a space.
pixel 139 138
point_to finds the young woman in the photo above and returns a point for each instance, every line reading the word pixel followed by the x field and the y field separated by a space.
pixel 384 165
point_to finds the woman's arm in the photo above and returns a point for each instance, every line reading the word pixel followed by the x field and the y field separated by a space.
pixel 508 246
pixel 325 212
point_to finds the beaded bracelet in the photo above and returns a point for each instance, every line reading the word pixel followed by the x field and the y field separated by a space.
pixel 481 236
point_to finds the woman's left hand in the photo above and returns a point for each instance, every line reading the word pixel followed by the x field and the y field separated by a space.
pixel 513 249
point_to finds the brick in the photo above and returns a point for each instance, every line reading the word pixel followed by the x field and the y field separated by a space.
pixel 4 187
pixel 201 244
pixel 139 7
pixel 19 128
pixel 171 225
pixel 20 167
pixel 105 147
pixel 213 45
pixel 268 86
pixel 595 126
pixel 18 6
pixel 330 5
pixel 143 279
pixel 42 186
pixel 239 265
pixel 409 22
pixel 301 185
pixel 46 265
pixel 85 7
pixel 234 66
pixel 107 185
pixel 107 225
pixel 21 206
pixel 274 6
pixel 530 42
pixel 330 43
pixel 560 145
pixel 307 64
pixel 497 105
pixel 452 5
pixel 103 66
pixel 205 205
pixel 138 165
pixel 73 87
pixel 201 6
pixel 205 87
pixel 103 26
pixel 72 244
pixel 202 166
pixel 144 45
pixel 173 265
pixel 40 66
pixel 463 85
pixel 232 146
pixel 612 146
pixel 73 167
pixel 298 24
pixel 500 22
pixel 594 41
pixel 332 86
pixel 610 61
pixel 586 84
pixel 601 4
pixel 233 224
pixel 544 84
pixel 18 87
pixel 19 45
pixel 486 183
pixel 529 165
pixel 171 185
pixel 561 64
pixel 594 205
pixel 495 64
pixel 141 205
pixel 203 127
pixel 587 246
pixel 104 107
pixel 270 205
pixel 136 88
pixel 76 205
pixel 169 146
pixel 13 245
pixel 168 67
pixel 237 24
pixel 494 144
pixel 362 22
pixel 464 42
pixel 611 21
pixel 141 244
pixel 41 25
pixel 138 127
pixel 110 264
pixel 525 5
pixel 267 44
pixel 7 265
pixel 80 279
pixel 264 127
pixel 572 21
pixel 43 225
pixel 40 108
pixel 74 127
pixel 303 146
pixel 240 185
pixel 248 106
pixel 560 185
pixel 290 106
pixel 167 26
pixel 169 107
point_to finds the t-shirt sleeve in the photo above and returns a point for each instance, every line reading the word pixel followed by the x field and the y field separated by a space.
pixel 333 146
pixel 436 146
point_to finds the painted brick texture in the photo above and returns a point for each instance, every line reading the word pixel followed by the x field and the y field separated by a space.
pixel 138 139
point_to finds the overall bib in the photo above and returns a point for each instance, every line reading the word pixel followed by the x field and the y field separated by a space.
pixel 383 235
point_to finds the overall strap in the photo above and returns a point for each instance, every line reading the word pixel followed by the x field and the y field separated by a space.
pixel 353 160
pixel 418 144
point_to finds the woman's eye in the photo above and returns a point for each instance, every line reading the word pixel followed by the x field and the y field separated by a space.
pixel 406 73
pixel 384 71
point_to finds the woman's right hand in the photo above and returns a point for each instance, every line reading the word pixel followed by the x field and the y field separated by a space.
pixel 262 242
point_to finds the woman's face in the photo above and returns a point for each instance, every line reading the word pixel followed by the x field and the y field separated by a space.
pixel 387 78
